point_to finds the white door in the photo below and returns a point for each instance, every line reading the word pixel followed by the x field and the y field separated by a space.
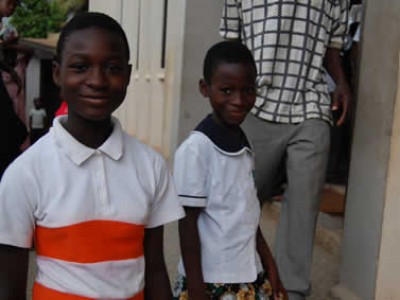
pixel 150 111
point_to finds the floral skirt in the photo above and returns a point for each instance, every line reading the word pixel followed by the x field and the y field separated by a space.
pixel 257 290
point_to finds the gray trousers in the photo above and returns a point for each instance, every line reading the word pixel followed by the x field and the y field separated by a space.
pixel 303 149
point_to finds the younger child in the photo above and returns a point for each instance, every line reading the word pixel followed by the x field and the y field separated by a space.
pixel 93 198
pixel 224 255
pixel 37 121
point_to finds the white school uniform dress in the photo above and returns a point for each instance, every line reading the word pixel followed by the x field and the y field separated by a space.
pixel 214 170
pixel 87 210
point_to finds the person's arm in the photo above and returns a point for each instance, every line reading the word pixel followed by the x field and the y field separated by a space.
pixel 157 284
pixel 269 265
pixel 13 272
pixel 13 75
pixel 191 254
pixel 342 94
pixel 28 51
pixel 12 43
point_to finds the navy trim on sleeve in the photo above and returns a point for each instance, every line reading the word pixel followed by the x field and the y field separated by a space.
pixel 196 197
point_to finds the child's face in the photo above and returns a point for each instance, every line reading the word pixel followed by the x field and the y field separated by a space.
pixel 7 7
pixel 93 73
pixel 232 91
pixel 37 103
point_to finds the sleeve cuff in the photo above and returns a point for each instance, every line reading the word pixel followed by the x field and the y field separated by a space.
pixel 229 35
pixel 168 218
pixel 336 45
pixel 193 201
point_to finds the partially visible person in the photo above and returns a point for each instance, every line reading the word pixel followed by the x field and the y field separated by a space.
pixel 289 124
pixel 339 156
pixel 224 254
pixel 16 90
pixel 15 59
pixel 13 131
pixel 37 121
pixel 92 198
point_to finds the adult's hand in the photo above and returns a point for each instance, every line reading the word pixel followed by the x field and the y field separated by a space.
pixel 342 94
pixel 341 102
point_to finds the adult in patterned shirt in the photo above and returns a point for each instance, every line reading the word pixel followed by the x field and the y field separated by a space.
pixel 292 41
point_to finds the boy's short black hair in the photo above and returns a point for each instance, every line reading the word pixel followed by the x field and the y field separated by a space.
pixel 226 52
pixel 89 20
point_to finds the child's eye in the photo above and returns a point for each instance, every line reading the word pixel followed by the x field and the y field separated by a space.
pixel 113 68
pixel 226 91
pixel 250 91
pixel 79 68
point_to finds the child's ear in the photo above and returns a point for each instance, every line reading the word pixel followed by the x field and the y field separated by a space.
pixel 129 73
pixel 56 73
pixel 203 88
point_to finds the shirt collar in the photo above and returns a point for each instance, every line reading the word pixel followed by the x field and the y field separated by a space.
pixel 222 137
pixel 77 152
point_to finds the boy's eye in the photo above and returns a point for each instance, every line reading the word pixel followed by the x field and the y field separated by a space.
pixel 250 91
pixel 79 68
pixel 226 91
pixel 113 68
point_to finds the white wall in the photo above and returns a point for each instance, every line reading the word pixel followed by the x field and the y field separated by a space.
pixel 151 108
pixel 32 86
pixel 387 286
pixel 371 244
pixel 163 105
pixel 201 32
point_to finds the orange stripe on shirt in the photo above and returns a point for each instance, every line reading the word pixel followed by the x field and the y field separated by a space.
pixel 40 292
pixel 91 242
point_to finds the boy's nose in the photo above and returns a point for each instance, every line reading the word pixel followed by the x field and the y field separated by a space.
pixel 239 98
pixel 97 78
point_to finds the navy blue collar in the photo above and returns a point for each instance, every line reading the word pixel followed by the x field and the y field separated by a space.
pixel 223 137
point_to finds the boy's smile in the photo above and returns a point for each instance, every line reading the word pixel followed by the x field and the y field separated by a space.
pixel 232 91
pixel 93 74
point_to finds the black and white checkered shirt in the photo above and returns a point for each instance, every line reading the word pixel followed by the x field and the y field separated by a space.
pixel 288 39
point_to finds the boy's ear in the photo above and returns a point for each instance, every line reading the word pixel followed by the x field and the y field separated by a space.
pixel 56 72
pixel 129 74
pixel 203 88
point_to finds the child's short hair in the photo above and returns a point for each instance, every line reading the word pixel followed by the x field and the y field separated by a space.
pixel 88 20
pixel 226 52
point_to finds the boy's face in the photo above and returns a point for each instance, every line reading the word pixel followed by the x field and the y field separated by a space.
pixel 93 73
pixel 232 91
pixel 7 7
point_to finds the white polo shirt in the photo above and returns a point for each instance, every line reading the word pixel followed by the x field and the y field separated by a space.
pixel 87 210
pixel 214 170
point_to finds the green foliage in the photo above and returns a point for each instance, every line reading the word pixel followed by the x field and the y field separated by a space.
pixel 58 17
pixel 72 5
pixel 36 18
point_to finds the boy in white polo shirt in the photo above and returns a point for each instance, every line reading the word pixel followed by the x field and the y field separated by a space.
pixel 92 198
pixel 224 255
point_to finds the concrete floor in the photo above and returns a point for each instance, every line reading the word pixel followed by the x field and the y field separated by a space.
pixel 326 251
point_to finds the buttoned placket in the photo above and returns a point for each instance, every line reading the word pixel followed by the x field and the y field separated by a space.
pixel 100 183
